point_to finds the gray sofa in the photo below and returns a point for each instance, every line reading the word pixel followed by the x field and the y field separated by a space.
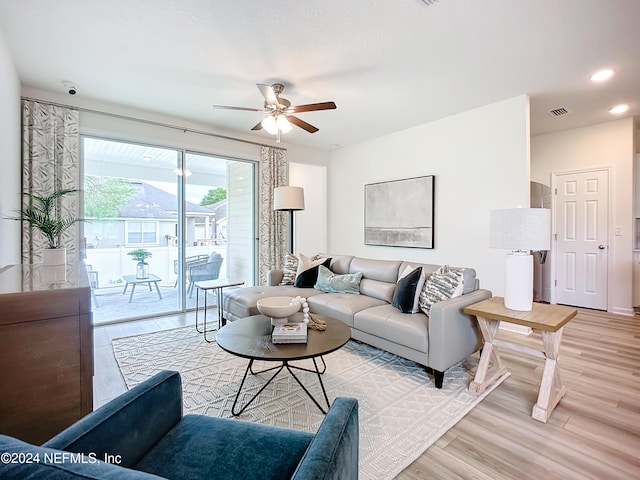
pixel 437 341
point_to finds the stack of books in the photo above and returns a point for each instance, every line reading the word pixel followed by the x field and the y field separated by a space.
pixel 289 333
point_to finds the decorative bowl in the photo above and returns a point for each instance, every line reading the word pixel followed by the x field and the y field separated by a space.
pixel 278 308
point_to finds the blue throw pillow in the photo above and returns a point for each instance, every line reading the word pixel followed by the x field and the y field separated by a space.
pixel 333 283
pixel 405 291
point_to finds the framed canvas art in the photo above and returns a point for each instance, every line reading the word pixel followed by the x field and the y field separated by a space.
pixel 399 213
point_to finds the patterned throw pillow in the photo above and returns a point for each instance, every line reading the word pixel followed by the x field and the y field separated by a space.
pixel 333 283
pixel 309 276
pixel 442 284
pixel 289 269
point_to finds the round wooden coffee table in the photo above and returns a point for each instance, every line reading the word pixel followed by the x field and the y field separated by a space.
pixel 251 338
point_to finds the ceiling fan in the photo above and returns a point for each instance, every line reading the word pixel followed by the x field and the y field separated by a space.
pixel 280 112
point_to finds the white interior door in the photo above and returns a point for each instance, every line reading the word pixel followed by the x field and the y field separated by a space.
pixel 581 234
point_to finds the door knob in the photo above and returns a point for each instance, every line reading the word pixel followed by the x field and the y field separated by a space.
pixel 601 247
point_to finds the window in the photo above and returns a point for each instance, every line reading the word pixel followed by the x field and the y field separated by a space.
pixel 139 233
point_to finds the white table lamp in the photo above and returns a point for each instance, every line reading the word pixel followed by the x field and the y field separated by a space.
pixel 289 199
pixel 521 230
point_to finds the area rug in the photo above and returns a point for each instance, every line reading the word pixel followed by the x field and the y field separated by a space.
pixel 401 412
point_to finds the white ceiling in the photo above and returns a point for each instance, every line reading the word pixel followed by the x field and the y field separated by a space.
pixel 388 65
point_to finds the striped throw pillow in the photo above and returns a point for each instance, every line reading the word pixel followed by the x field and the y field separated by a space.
pixel 289 269
pixel 442 284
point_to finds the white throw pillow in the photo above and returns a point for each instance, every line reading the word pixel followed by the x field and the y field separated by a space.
pixel 305 263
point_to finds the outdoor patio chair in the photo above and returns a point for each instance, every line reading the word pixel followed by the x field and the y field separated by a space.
pixel 190 262
pixel 208 271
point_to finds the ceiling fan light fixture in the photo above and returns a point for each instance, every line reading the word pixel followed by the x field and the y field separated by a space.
pixel 283 123
pixel 269 124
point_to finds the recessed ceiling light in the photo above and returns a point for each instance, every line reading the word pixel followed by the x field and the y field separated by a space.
pixel 177 171
pixel 618 109
pixel 602 75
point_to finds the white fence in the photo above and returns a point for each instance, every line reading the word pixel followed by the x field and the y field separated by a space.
pixel 112 263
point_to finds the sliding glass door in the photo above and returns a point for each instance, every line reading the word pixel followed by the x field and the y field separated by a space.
pixel 187 216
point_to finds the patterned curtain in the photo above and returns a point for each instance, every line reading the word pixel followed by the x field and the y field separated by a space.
pixel 272 243
pixel 50 146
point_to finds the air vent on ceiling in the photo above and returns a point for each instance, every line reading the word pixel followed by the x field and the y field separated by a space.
pixel 429 2
pixel 558 112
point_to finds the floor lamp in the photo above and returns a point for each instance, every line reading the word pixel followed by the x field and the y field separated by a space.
pixel 520 230
pixel 288 199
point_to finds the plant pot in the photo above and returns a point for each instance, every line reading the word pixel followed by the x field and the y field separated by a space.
pixel 142 270
pixel 54 256
pixel 54 274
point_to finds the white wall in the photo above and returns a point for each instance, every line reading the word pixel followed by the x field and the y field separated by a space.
pixel 480 159
pixel 10 181
pixel 608 144
pixel 311 223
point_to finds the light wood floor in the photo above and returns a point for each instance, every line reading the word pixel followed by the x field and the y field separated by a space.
pixel 594 433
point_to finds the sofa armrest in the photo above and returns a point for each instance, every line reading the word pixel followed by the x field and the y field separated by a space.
pixel 130 424
pixel 454 335
pixel 333 452
pixel 274 277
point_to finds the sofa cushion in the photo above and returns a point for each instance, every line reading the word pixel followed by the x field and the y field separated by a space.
pixel 333 283
pixel 381 270
pixel 340 263
pixel 385 321
pixel 308 272
pixel 405 293
pixel 442 284
pixel 241 302
pixel 341 306
pixel 222 448
pixel 58 465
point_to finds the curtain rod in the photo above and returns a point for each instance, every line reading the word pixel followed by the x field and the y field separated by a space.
pixel 151 122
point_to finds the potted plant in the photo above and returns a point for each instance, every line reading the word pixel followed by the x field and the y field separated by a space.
pixel 141 254
pixel 41 214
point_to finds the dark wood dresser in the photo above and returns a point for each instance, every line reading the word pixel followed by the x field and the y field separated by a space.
pixel 46 349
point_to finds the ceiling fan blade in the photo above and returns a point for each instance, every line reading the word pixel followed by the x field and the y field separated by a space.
pixel 258 126
pixel 302 124
pixel 239 108
pixel 310 107
pixel 268 94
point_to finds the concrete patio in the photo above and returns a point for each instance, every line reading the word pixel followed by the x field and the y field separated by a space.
pixel 113 305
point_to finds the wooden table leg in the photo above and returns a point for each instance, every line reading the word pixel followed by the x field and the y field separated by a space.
pixel 551 388
pixel 490 367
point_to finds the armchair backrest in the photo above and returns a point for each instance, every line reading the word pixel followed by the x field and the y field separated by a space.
pixel 115 429
pixel 333 452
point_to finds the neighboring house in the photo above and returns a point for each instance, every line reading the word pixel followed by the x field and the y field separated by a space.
pixel 149 218
pixel 212 228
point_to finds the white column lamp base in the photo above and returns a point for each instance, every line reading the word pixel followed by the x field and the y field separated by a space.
pixel 518 291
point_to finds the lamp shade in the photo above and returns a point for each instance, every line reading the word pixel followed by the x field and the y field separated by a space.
pixel 283 124
pixel 269 124
pixel 520 229
pixel 288 198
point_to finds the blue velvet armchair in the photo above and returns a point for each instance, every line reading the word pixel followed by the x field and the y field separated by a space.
pixel 142 434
